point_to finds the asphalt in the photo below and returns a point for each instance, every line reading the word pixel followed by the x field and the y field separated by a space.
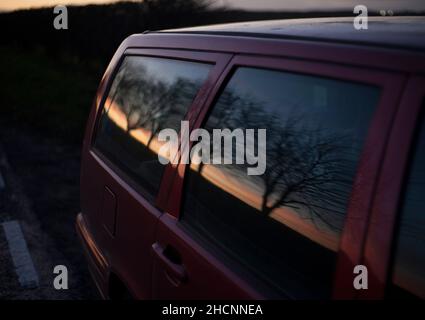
pixel 39 200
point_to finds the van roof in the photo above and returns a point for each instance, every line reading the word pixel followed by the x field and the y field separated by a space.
pixel 407 32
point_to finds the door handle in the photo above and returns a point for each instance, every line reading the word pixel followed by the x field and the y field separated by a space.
pixel 175 270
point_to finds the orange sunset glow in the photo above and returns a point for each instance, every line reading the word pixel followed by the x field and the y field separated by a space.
pixel 25 4
pixel 303 5
pixel 247 192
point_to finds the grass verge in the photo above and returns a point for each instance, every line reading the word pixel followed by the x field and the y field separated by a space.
pixel 48 94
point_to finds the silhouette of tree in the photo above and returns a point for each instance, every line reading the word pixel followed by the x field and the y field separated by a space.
pixel 307 169
pixel 149 103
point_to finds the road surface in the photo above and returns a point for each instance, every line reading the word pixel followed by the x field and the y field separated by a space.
pixel 39 198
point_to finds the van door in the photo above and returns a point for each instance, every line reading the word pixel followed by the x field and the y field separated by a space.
pixel 264 217
pixel 151 90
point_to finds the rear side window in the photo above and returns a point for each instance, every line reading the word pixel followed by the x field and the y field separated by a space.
pixel 147 95
pixel 408 277
pixel 281 229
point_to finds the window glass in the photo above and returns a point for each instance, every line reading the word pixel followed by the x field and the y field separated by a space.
pixel 281 228
pixel 147 95
pixel 408 276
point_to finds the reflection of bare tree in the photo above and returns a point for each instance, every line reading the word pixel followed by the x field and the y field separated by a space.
pixel 307 169
pixel 305 172
pixel 152 104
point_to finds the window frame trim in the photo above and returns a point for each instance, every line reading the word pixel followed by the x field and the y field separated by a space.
pixel 389 192
pixel 355 228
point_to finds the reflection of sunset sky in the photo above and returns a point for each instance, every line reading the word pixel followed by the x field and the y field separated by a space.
pixel 287 96
pixel 248 191
pixel 167 70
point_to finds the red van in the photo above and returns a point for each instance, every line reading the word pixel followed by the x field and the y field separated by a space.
pixel 345 177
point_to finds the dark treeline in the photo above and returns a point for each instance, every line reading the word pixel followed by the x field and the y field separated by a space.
pixel 95 31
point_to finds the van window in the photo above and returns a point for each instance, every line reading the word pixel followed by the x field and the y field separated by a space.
pixel 408 276
pixel 281 229
pixel 147 95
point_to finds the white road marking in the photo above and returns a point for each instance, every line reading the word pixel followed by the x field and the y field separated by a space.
pixel 2 183
pixel 21 257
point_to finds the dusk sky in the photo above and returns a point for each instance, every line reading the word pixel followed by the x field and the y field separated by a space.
pixel 250 4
